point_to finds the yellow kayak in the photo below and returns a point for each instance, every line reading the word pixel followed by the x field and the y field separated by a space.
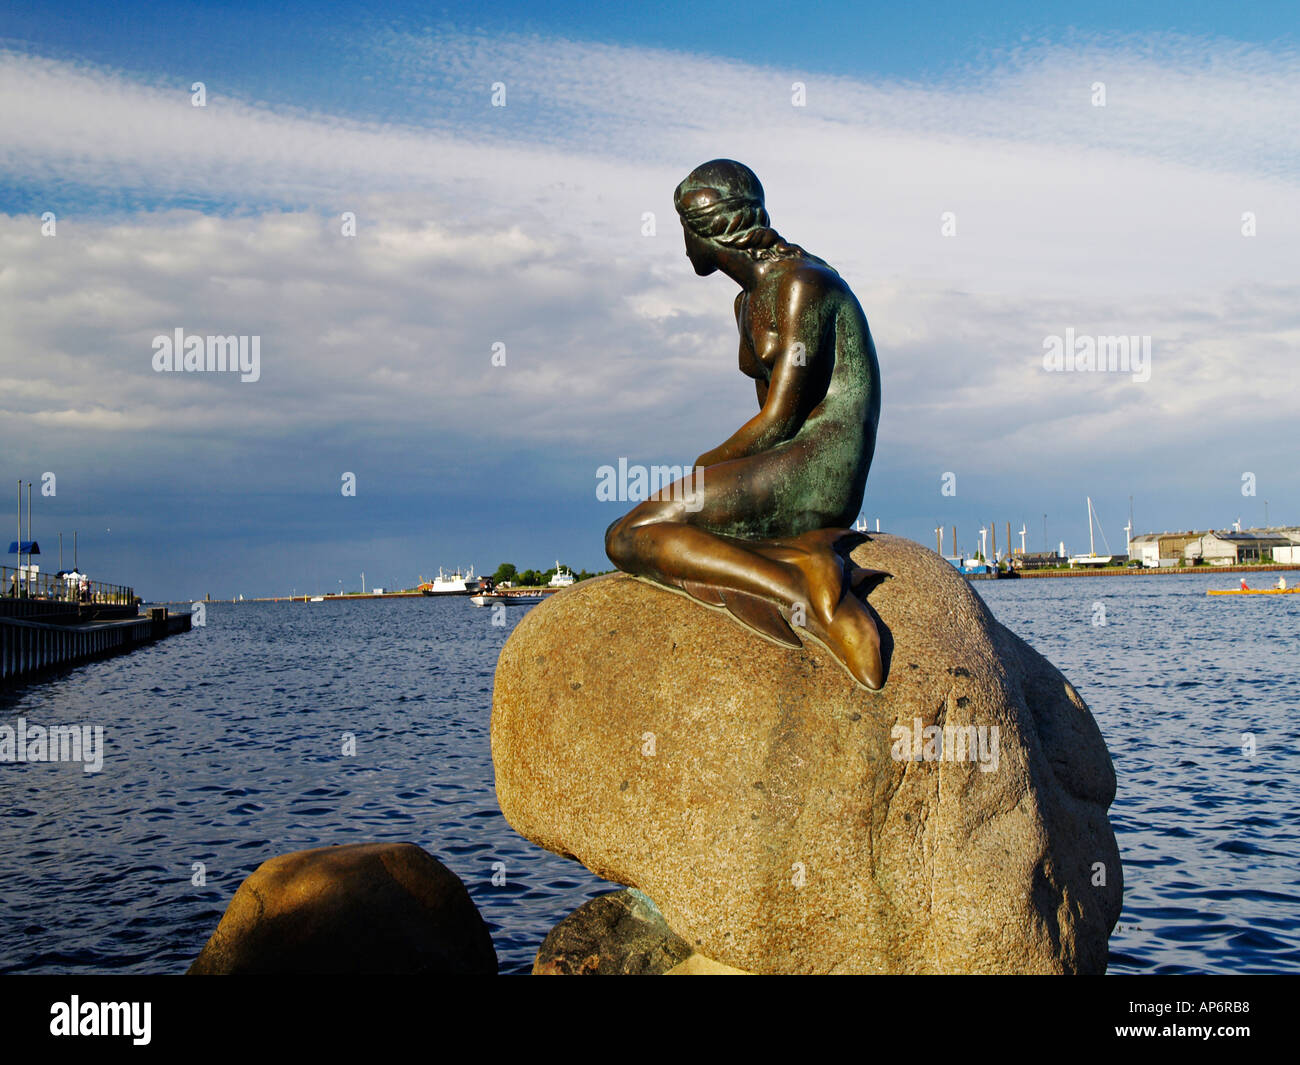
pixel 1254 591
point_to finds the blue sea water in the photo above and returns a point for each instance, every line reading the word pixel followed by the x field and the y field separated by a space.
pixel 225 747
pixel 1197 698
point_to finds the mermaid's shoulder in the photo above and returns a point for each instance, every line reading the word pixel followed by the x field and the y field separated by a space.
pixel 807 277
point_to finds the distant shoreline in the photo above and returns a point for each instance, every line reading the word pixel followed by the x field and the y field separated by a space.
pixel 336 597
pixel 1107 571
pixel 1145 571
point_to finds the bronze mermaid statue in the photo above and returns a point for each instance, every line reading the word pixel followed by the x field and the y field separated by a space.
pixel 754 530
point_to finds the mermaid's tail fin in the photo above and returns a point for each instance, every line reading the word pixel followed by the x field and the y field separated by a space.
pixel 762 616
pixel 705 593
pixel 857 576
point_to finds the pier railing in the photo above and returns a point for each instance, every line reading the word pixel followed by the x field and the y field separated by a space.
pixel 22 584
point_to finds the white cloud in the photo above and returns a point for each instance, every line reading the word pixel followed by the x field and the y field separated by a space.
pixel 522 225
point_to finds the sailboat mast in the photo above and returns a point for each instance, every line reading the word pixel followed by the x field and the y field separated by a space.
pixel 1092 548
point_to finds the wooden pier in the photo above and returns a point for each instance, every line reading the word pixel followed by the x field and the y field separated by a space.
pixel 28 648
pixel 53 628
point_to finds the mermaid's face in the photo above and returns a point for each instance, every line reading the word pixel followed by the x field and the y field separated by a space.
pixel 699 252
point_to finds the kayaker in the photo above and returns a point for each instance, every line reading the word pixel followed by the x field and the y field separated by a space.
pixel 1281 584
pixel 1244 586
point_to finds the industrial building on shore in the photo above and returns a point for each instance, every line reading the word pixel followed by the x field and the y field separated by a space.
pixel 1227 547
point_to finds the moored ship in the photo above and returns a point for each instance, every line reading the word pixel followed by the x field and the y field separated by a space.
pixel 457 583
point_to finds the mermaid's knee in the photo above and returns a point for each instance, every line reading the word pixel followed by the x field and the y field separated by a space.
pixel 620 536
pixel 616 541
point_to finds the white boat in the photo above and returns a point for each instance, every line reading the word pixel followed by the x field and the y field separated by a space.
pixel 318 599
pixel 518 598
pixel 563 578
pixel 1092 558
pixel 457 583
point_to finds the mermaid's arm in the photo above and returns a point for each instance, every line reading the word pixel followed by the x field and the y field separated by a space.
pixel 776 422
pixel 787 402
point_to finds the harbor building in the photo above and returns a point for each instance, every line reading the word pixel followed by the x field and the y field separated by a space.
pixel 1162 549
pixel 1232 548
pixel 1224 547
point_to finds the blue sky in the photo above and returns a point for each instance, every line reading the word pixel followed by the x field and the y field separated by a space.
pixel 289 50
pixel 523 225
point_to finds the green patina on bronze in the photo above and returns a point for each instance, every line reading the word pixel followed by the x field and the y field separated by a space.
pixel 754 531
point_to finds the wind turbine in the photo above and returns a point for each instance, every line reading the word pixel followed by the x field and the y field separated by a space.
pixel 1023 551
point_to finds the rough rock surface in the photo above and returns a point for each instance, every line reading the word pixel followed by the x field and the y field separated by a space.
pixel 359 908
pixel 619 934
pixel 768 805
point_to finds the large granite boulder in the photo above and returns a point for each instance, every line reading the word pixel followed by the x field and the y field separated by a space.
pixel 360 908
pixel 785 820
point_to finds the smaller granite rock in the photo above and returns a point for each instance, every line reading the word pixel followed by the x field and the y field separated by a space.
pixel 359 908
pixel 620 934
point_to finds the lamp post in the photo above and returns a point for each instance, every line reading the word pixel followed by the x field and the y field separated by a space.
pixel 29 539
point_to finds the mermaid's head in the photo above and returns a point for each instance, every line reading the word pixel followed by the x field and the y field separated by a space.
pixel 721 203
